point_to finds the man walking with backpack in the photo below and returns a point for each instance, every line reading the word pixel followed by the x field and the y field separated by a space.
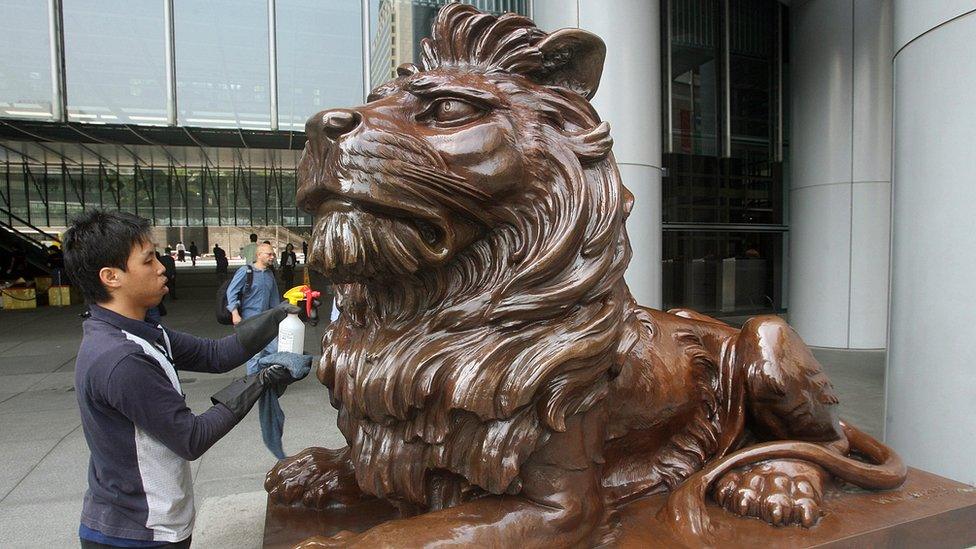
pixel 252 291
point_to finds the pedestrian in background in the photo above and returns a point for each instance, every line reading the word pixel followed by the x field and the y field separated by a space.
pixel 167 260
pixel 249 252
pixel 288 262
pixel 194 252
pixel 220 256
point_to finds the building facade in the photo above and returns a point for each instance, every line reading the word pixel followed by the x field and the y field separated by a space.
pixel 804 158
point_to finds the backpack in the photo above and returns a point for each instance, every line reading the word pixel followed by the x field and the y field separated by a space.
pixel 223 315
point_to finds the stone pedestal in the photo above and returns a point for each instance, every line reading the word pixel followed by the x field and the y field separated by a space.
pixel 928 511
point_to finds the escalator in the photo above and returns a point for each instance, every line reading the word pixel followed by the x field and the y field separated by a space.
pixel 16 239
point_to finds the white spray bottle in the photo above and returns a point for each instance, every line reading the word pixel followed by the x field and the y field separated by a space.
pixel 291 330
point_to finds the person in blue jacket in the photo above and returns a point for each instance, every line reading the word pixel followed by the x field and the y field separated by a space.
pixel 138 427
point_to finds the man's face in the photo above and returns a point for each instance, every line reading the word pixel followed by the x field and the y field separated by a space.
pixel 143 282
pixel 265 255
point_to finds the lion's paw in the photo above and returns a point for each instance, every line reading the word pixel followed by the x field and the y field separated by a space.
pixel 316 477
pixel 780 493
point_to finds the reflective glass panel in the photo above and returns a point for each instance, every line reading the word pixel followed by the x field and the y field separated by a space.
pixel 320 58
pixel 724 272
pixel 695 30
pixel 707 189
pixel 396 27
pixel 752 65
pixel 25 64
pixel 222 75
pixel 115 61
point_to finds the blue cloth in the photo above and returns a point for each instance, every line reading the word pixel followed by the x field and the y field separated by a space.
pixel 270 414
pixel 88 534
pixel 262 296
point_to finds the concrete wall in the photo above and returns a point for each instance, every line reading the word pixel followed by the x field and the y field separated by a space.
pixel 931 386
pixel 841 177
pixel 630 99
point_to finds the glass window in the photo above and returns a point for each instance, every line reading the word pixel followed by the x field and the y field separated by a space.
pixel 723 272
pixel 706 189
pixel 695 29
pixel 222 76
pixel 115 61
pixel 25 65
pixel 752 63
pixel 320 58
pixel 396 27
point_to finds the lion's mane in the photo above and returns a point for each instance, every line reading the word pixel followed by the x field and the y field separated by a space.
pixel 462 371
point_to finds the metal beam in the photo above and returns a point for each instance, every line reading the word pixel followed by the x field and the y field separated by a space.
pixel 668 80
pixel 170 23
pixel 59 93
pixel 273 62
pixel 366 49
pixel 726 83
pixel 23 155
pixel 778 152
pixel 104 142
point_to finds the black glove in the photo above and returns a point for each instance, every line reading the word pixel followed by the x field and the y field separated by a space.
pixel 297 366
pixel 241 395
pixel 256 332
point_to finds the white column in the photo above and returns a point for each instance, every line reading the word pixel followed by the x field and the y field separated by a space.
pixel 630 99
pixel 931 386
pixel 841 176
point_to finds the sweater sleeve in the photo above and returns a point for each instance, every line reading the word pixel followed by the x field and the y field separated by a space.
pixel 140 390
pixel 197 354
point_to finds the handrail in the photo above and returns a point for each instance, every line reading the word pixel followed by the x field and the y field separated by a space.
pixel 37 243
pixel 28 223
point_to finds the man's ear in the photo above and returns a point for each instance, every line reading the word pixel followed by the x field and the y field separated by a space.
pixel 572 58
pixel 110 277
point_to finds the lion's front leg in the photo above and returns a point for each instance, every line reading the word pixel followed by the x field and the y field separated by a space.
pixel 316 477
pixel 560 503
pixel 788 398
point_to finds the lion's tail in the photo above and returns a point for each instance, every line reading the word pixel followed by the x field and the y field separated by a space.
pixel 684 512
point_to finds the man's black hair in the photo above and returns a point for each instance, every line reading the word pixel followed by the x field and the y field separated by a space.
pixel 254 237
pixel 98 239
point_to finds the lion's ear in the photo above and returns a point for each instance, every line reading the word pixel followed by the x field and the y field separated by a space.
pixel 572 58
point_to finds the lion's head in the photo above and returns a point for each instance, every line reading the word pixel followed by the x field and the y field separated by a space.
pixel 472 217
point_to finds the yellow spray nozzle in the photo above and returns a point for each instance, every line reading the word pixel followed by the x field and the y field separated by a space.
pixel 305 292
pixel 296 294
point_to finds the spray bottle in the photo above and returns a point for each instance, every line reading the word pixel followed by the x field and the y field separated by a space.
pixel 291 330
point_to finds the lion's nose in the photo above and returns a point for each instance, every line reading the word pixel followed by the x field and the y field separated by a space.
pixel 335 123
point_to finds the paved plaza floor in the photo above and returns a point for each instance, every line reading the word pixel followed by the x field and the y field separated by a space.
pixel 44 460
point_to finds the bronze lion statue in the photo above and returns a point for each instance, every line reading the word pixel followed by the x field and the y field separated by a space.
pixel 494 378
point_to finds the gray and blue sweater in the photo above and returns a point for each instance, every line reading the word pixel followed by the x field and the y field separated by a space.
pixel 138 427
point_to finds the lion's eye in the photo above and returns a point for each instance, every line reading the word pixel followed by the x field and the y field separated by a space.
pixel 452 112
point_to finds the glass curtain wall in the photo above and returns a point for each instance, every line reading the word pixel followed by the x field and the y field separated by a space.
pixel 115 61
pixel 175 186
pixel 25 65
pixel 320 58
pixel 223 74
pixel 724 205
